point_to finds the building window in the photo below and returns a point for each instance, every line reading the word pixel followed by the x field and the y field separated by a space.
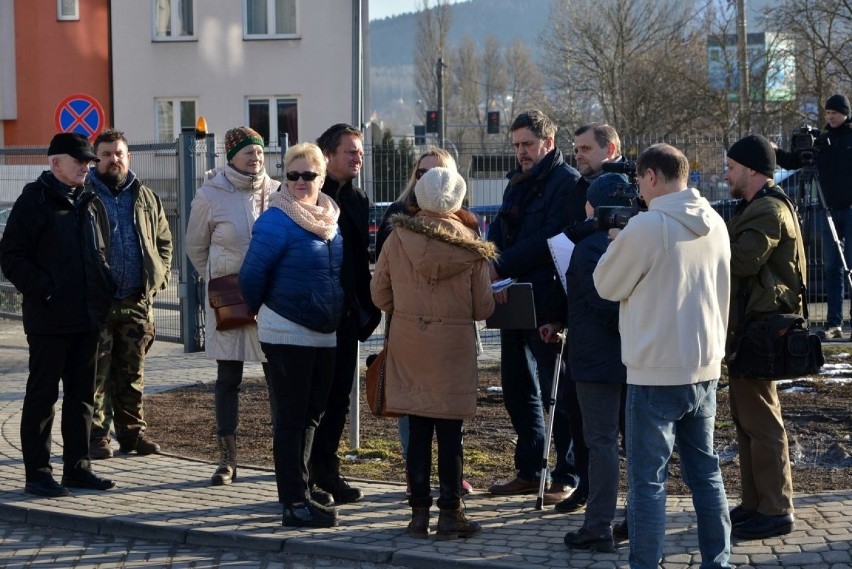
pixel 276 119
pixel 269 18
pixel 67 9
pixel 171 116
pixel 173 20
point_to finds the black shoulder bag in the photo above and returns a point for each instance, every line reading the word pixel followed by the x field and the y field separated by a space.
pixel 779 346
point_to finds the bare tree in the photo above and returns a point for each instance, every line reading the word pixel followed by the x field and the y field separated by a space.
pixel 822 31
pixel 433 25
pixel 630 58
pixel 525 88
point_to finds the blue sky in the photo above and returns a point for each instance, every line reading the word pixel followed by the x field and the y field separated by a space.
pixel 384 8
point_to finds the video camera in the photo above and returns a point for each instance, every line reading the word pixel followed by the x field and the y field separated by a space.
pixel 617 216
pixel 806 141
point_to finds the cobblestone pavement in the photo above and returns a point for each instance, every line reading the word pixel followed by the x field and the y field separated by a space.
pixel 163 512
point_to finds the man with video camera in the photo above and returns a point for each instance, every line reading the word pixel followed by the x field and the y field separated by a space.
pixel 832 153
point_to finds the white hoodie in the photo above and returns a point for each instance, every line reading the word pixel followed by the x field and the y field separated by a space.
pixel 670 270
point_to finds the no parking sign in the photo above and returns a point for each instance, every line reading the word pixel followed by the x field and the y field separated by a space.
pixel 81 114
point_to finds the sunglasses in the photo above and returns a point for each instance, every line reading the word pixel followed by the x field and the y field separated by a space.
pixel 306 176
pixel 419 173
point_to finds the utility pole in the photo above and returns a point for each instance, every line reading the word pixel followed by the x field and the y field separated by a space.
pixel 442 116
pixel 742 55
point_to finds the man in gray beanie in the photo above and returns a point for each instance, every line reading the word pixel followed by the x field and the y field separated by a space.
pixel 834 165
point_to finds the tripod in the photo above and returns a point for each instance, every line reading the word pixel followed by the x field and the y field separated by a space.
pixel 808 176
pixel 550 409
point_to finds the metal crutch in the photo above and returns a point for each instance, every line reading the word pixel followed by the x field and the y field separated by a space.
pixel 550 408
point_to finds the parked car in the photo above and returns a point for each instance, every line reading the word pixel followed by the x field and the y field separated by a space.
pixel 374 221
pixel 486 215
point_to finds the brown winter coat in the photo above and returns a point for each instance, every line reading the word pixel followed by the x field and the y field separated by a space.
pixel 432 276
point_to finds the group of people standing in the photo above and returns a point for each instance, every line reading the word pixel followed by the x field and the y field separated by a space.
pixel 650 312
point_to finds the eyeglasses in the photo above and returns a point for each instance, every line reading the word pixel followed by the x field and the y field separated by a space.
pixel 306 176
pixel 419 173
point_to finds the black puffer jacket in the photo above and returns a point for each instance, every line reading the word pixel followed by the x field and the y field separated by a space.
pixel 54 251
pixel 537 204
pixel 834 164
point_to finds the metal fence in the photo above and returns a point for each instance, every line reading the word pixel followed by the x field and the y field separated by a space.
pixel 387 168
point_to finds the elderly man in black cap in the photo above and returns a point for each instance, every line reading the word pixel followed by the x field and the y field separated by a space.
pixel 54 251
pixel 834 165
pixel 763 228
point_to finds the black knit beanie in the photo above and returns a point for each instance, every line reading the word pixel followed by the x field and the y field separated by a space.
pixel 755 152
pixel 838 103
pixel 603 190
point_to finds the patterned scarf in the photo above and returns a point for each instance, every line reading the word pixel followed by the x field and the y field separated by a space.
pixel 319 219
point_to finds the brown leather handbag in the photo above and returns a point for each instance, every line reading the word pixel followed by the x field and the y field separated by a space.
pixel 228 304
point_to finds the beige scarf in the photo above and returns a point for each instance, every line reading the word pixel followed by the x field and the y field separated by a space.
pixel 319 219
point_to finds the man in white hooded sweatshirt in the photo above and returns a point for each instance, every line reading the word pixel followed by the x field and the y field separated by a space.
pixel 670 270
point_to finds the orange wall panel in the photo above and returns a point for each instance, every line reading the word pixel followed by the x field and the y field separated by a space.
pixel 55 59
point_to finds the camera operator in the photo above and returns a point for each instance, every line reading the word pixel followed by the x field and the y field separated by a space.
pixel 833 156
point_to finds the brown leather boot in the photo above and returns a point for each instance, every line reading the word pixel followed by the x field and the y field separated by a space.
pixel 418 527
pixel 227 471
pixel 452 524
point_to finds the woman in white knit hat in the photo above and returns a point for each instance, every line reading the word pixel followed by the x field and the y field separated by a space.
pixel 432 277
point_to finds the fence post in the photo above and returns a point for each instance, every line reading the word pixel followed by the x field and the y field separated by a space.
pixel 187 291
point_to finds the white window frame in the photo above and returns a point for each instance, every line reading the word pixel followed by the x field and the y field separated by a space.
pixel 272 101
pixel 176 115
pixel 175 17
pixel 270 19
pixel 62 17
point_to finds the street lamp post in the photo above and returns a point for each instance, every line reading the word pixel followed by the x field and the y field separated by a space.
pixel 442 120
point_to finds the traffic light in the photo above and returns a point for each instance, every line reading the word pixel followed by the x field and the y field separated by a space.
pixel 419 135
pixel 432 118
pixel 493 122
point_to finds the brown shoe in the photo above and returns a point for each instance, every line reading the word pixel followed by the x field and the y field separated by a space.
pixel 514 487
pixel 99 449
pixel 556 493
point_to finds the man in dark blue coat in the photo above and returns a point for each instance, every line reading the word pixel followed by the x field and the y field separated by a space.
pixel 535 207
pixel 54 251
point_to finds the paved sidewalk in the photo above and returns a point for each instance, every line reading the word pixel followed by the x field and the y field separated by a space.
pixel 167 498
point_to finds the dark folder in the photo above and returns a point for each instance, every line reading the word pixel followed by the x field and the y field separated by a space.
pixel 518 313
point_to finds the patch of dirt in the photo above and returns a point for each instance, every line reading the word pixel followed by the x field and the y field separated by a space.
pixel 816 414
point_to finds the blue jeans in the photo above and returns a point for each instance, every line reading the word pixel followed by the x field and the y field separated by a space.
pixel 835 280
pixel 658 417
pixel 523 392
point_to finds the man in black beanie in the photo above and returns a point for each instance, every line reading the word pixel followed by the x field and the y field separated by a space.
pixel 834 165
pixel 763 227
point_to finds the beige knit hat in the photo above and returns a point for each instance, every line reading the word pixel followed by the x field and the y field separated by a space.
pixel 440 190
pixel 240 137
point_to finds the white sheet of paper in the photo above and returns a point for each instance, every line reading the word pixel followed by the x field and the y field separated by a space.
pixel 501 285
pixel 561 249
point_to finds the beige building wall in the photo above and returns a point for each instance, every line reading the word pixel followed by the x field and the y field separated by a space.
pixel 220 69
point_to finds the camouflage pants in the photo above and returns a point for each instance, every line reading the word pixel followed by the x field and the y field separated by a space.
pixel 125 338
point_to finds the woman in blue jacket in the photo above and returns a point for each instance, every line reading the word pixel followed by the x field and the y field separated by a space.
pixel 291 278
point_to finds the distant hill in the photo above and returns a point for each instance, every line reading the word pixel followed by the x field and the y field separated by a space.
pixel 392 39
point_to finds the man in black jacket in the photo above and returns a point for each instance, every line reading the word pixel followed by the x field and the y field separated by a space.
pixel 834 165
pixel 54 251
pixel 343 146
pixel 538 202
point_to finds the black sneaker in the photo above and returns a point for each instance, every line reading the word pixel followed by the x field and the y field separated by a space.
pixel 306 515
pixel 340 489
pixel 47 487
pixel 321 497
pixel 584 539
pixel 573 503
pixel 82 478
